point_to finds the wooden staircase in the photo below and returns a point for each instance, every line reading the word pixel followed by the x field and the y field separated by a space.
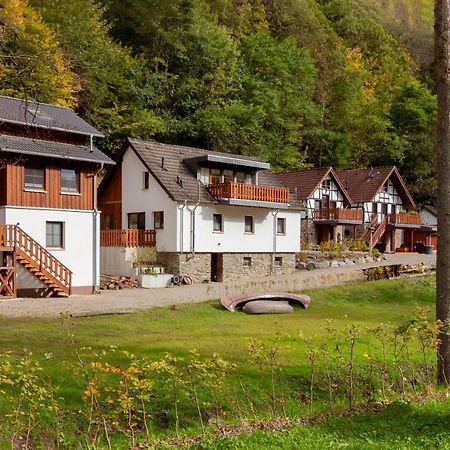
pixel 37 260
pixel 375 229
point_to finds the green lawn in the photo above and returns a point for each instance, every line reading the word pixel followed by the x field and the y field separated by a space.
pixel 210 329
pixel 399 426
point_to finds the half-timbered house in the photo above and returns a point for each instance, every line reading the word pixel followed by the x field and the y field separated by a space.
pixel 389 217
pixel 328 214
pixel 49 221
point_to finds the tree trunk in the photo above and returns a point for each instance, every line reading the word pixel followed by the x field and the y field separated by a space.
pixel 442 74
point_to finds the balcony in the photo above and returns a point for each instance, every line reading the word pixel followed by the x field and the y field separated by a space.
pixel 338 215
pixel 242 191
pixel 128 238
pixel 405 219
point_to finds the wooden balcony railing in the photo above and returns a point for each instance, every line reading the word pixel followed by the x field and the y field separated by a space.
pixel 405 219
pixel 354 215
pixel 128 238
pixel 249 192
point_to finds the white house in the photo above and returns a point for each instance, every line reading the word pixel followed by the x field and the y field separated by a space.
pixel 49 221
pixel 215 215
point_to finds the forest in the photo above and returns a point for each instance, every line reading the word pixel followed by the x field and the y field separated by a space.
pixel 301 83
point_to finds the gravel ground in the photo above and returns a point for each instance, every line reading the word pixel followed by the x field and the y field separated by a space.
pixel 130 300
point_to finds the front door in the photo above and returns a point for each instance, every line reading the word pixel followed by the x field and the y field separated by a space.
pixel 217 267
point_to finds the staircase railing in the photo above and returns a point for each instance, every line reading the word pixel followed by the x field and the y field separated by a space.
pixel 381 228
pixel 373 224
pixel 37 256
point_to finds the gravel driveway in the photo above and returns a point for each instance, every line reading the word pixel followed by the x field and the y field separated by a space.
pixel 130 300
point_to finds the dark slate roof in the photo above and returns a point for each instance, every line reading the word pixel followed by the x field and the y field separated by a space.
pixel 51 149
pixel 43 115
pixel 305 182
pixel 364 184
pixel 176 168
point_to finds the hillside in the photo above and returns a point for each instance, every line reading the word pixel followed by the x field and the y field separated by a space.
pixel 300 82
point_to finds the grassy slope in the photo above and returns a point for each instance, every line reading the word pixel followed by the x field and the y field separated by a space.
pixel 399 426
pixel 209 328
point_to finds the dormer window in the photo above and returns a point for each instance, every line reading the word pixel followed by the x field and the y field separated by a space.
pixel 228 176
pixel 215 177
pixel 34 178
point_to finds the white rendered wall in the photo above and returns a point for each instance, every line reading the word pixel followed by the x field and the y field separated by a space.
pixel 333 192
pixel 135 199
pixel 78 251
pixel 391 198
pixel 428 218
pixel 233 239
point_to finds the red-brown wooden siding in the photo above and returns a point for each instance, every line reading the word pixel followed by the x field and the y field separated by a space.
pixel 110 199
pixel 43 134
pixel 17 195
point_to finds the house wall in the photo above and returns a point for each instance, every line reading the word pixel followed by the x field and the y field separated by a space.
pixel 198 266
pixel 81 230
pixel 391 198
pixel 233 239
pixel 428 218
pixel 178 217
pixel 16 193
pixel 110 200
pixel 333 192
pixel 136 199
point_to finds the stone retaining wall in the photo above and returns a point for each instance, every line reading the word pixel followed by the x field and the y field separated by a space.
pixel 198 266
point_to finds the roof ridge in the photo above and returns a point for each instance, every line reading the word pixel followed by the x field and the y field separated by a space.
pixel 38 102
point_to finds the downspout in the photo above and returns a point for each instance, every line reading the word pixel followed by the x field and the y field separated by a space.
pixel 96 244
pixel 192 211
pixel 181 208
pixel 274 214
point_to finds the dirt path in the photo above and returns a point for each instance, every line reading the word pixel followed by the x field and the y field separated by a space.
pixel 129 300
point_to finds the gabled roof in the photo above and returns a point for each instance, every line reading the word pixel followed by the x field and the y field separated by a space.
pixel 170 165
pixel 305 182
pixel 51 149
pixel 363 184
pixel 42 115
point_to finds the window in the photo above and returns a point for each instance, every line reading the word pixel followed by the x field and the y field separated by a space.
pixel 35 178
pixel 217 222
pixel 317 204
pixel 326 183
pixel 246 261
pixel 240 177
pixel 136 221
pixel 70 181
pixel 146 181
pixel 228 176
pixel 249 224
pixel 158 220
pixel 278 261
pixel 215 176
pixel 54 234
pixel 249 178
pixel 281 225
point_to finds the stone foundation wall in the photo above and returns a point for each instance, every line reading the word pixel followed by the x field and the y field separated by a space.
pixel 198 266
pixel 308 233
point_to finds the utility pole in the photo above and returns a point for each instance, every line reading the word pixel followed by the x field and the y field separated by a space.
pixel 442 77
